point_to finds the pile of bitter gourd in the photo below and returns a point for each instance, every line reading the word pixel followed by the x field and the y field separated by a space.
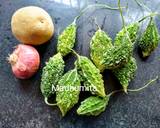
pixel 116 56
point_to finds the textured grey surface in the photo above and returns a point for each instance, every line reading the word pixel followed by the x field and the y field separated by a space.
pixel 21 103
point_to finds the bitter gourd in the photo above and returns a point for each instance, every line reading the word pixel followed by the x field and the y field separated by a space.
pixel 51 74
pixel 126 73
pixel 93 106
pixel 149 40
pixel 91 76
pixel 66 39
pixel 68 94
pixel 100 42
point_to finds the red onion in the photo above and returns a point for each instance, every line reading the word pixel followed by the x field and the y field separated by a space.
pixel 25 61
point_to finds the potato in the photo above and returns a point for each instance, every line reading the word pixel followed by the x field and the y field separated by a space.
pixel 32 25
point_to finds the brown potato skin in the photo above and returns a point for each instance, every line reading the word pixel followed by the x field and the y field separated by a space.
pixel 32 25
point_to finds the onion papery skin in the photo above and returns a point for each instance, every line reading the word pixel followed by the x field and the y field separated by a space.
pixel 25 61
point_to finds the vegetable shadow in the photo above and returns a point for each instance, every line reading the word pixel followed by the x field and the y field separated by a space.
pixel 148 58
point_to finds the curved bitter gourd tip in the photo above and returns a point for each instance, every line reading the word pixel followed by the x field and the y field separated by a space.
pixel 150 39
pixel 126 73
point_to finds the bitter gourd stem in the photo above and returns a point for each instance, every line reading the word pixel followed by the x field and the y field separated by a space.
pixel 145 86
pixel 135 90
pixel 143 6
pixel 148 16
pixel 75 53
pixel 123 22
pixel 121 13
pixel 113 92
pixel 95 21
pixel 49 104
pixel 105 6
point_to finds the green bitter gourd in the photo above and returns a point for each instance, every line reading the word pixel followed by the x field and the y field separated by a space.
pixel 132 30
pixel 51 74
pixel 66 39
pixel 91 76
pixel 119 55
pixel 126 73
pixel 68 94
pixel 100 42
pixel 149 40
pixel 93 106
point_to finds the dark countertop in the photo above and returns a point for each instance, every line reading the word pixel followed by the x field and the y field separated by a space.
pixel 21 103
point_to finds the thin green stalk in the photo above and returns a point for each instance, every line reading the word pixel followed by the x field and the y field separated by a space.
pixel 121 12
pixel 105 6
pixel 143 6
pixel 95 21
pixel 145 86
pixel 148 16
pixel 49 104
pixel 123 21
pixel 75 53
pixel 135 90
pixel 113 92
pixel 127 12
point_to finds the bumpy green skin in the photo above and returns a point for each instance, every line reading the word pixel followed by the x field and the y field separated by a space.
pixel 126 73
pixel 119 55
pixel 66 40
pixel 93 106
pixel 91 76
pixel 66 99
pixel 51 74
pixel 107 56
pixel 132 32
pixel 100 42
pixel 149 40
